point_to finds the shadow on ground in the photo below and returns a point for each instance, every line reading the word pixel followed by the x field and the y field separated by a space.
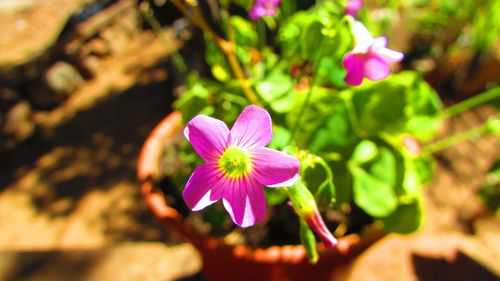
pixel 94 153
pixel 462 268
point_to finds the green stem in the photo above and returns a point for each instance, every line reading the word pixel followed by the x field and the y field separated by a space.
pixel 351 113
pixel 467 135
pixel 261 29
pixel 326 167
pixel 471 102
pixel 195 16
pixel 296 124
pixel 178 60
pixel 305 105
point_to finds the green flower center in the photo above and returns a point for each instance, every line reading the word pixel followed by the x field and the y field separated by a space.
pixel 235 162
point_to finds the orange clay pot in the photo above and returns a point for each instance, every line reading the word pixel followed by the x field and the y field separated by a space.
pixel 223 262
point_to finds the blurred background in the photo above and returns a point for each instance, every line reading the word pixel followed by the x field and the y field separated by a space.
pixel 83 82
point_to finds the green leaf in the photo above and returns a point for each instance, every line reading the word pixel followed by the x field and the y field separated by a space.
pixel 281 138
pixel 329 121
pixel 375 188
pixel 490 190
pixel 220 73
pixel 245 33
pixel 320 29
pixel 311 39
pixel 384 167
pixel 195 100
pixel 343 181
pixel 217 61
pixel 277 90
pixel 424 106
pixel 493 126
pixel 424 168
pixel 275 196
pixel 379 106
pixel 374 196
pixel 365 151
pixel 289 34
pixel 406 218
pixel 402 103
pixel 245 4
pixel 423 128
pixel 287 9
pixel 332 70
pixel 486 26
pixel 418 172
pixel 422 99
pixel 411 183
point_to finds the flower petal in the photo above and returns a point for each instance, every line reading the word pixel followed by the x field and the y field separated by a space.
pixel 252 128
pixel 245 202
pixel 354 64
pixel 364 38
pixel 386 54
pixel 261 8
pixel 204 187
pixel 274 168
pixel 375 68
pixel 257 12
pixel 316 223
pixel 389 55
pixel 379 42
pixel 209 136
pixel 353 6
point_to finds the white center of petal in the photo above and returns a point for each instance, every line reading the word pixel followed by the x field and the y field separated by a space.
pixel 363 37
pixel 235 162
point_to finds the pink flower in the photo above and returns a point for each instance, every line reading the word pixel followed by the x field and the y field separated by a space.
pixel 353 6
pixel 263 8
pixel 236 165
pixel 369 58
pixel 411 144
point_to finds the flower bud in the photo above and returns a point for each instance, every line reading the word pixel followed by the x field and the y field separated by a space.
pixel 411 144
pixel 305 206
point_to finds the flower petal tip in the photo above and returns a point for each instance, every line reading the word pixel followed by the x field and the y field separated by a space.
pixel 252 128
pixel 330 243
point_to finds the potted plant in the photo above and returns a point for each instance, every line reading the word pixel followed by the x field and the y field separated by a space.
pixel 223 261
pixel 288 107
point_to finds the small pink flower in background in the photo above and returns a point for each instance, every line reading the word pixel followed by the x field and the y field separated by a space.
pixel 353 6
pixel 369 58
pixel 263 8
pixel 411 144
pixel 237 164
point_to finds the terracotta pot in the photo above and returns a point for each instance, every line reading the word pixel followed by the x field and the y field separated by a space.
pixel 227 262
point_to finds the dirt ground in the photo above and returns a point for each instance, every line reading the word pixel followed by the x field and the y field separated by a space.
pixel 69 202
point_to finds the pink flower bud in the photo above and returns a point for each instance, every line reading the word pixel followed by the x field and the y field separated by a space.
pixel 263 8
pixel 316 223
pixel 305 206
pixel 411 144
pixel 353 6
